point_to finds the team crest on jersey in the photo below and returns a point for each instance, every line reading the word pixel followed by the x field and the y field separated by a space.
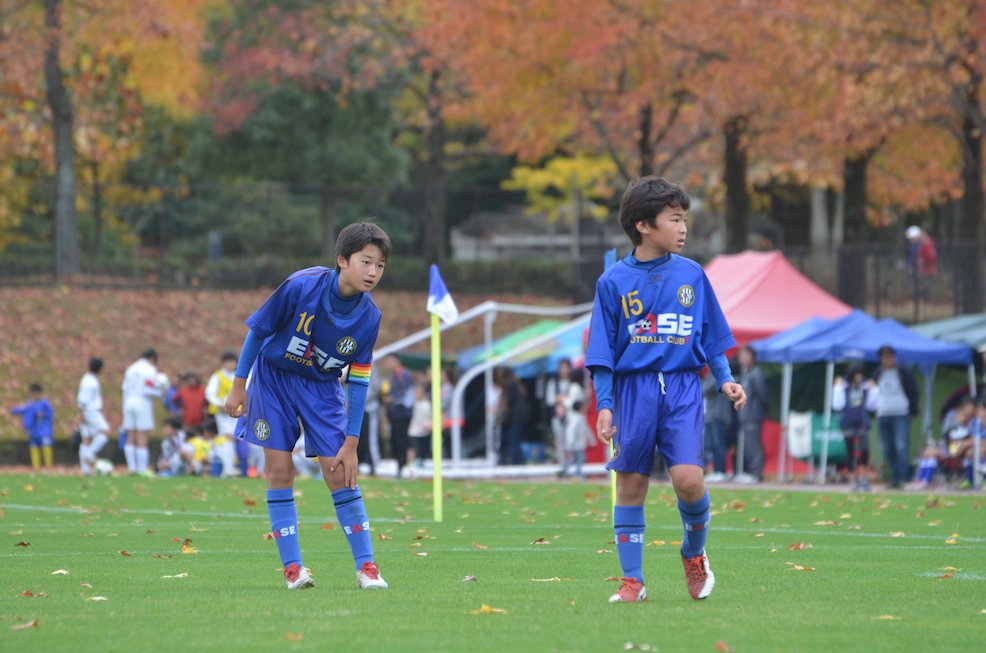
pixel 686 296
pixel 261 429
pixel 346 346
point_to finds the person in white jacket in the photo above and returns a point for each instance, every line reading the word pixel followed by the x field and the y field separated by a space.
pixel 93 426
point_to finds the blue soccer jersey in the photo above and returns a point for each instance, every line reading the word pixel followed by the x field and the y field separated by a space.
pixel 657 316
pixel 302 334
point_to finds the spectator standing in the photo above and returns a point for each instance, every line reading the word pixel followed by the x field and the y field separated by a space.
pixel 176 456
pixel 399 400
pixel 897 403
pixel 568 391
pixel 719 414
pixel 37 417
pixel 93 426
pixel 749 441
pixel 513 414
pixel 576 438
pixel 922 258
pixel 419 431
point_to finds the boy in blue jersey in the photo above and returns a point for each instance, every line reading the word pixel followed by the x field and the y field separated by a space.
pixel 37 417
pixel 655 323
pixel 317 322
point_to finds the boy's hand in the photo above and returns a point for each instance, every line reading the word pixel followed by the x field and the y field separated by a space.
pixel 237 398
pixel 604 425
pixel 735 393
pixel 346 457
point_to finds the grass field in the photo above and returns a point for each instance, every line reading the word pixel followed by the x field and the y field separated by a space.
pixel 796 571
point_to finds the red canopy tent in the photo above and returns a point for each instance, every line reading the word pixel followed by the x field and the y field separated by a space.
pixel 761 294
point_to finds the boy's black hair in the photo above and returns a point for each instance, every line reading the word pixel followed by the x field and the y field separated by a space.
pixel 229 356
pixel 150 354
pixel 358 235
pixel 644 198
pixel 35 387
pixel 173 422
pixel 886 349
pixel 209 426
pixel 95 365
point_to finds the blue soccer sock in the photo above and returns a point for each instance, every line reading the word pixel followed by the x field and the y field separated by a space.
pixel 355 524
pixel 926 469
pixel 628 525
pixel 284 524
pixel 695 518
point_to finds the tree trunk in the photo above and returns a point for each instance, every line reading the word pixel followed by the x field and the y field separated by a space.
pixel 436 193
pixel 852 260
pixel 969 267
pixel 327 209
pixel 60 104
pixel 856 199
pixel 97 210
pixel 644 144
pixel 737 197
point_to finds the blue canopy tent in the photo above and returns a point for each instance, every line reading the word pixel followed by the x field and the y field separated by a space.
pixel 857 336
pixel 968 329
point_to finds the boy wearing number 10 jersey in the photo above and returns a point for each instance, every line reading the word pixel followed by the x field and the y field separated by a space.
pixel 656 323
pixel 318 321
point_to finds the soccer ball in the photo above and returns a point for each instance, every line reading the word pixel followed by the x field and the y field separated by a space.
pixel 161 381
pixel 103 467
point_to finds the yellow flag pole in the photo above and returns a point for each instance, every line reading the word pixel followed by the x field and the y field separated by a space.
pixel 436 415
pixel 612 476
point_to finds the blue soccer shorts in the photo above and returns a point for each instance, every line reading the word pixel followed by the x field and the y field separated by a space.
pixel 657 410
pixel 41 441
pixel 280 403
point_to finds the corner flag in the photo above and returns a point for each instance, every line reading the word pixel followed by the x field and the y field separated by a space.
pixel 440 302
pixel 440 305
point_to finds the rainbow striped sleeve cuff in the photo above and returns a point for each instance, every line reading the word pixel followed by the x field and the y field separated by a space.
pixel 359 373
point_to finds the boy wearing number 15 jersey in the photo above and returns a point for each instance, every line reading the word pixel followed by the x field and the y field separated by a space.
pixel 655 324
pixel 318 321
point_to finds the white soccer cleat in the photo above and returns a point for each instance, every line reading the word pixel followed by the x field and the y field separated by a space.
pixel 369 578
pixel 631 591
pixel 699 576
pixel 298 577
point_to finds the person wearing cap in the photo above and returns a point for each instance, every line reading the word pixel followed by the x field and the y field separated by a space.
pixel 896 404
pixel 922 258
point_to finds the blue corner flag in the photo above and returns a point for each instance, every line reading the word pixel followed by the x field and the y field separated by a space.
pixel 440 302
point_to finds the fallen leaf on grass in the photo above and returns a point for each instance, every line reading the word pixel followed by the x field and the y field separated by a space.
pixel 33 623
pixel 948 575
pixel 634 646
pixel 327 526
pixel 85 584
pixel 60 572
pixel 89 535
pixel 540 540
pixel 295 637
pixel 420 554
pixel 150 531
pixel 611 579
pixel 249 502
pixel 161 555
pixel 982 612
pixel 477 545
pixel 723 646
pixel 554 579
pixel 268 536
pixel 799 546
pixel 125 554
pixel 796 567
pixel 97 598
pixel 896 533
pixel 415 545
pixel 383 537
pixel 656 543
pixel 184 574
pixel 887 617
pixel 28 594
pixel 196 529
pixel 185 549
pixel 828 523
pixel 845 515
pixel 488 609
pixel 23 543
pixel 603 551
pixel 468 579
pixel 955 535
